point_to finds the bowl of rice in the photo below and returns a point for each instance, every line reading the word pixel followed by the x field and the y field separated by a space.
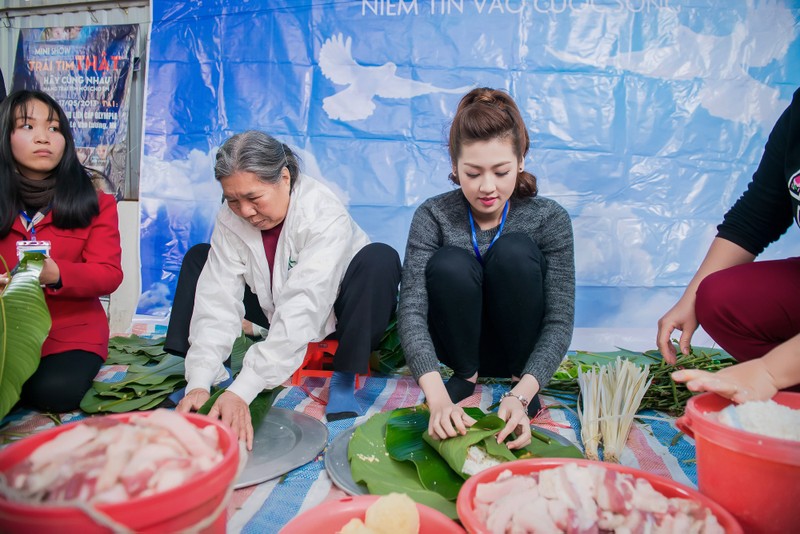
pixel 748 457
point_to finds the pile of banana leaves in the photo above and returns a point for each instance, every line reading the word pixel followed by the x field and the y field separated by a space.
pixel 24 325
pixel 392 452
pixel 663 395
pixel 152 375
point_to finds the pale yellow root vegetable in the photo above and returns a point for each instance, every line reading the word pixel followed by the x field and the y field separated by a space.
pixel 395 513
pixel 356 526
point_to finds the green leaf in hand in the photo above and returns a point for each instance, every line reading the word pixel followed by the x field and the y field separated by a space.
pixel 406 433
pixel 24 325
pixel 454 450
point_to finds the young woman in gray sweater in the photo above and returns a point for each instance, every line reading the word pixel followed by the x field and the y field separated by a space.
pixel 488 283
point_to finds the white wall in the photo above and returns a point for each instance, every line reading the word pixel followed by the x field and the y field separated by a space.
pixel 123 301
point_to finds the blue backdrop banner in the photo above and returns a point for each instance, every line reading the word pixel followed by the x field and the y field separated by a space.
pixel 647 119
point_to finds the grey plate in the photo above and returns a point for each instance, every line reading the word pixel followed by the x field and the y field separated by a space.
pixel 338 467
pixel 284 441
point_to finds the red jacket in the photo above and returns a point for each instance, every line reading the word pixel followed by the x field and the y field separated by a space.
pixel 89 260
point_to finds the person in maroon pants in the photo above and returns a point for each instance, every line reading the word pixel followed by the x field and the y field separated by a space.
pixel 751 309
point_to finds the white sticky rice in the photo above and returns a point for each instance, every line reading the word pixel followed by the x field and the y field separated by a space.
pixel 767 418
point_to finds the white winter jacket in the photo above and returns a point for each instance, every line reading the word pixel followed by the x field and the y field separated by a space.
pixel 315 247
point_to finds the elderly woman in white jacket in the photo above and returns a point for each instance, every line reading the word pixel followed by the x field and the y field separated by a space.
pixel 285 254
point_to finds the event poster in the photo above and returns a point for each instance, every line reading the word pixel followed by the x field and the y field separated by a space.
pixel 88 70
pixel 647 119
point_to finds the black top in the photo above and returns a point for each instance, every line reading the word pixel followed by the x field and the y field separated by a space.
pixel 772 200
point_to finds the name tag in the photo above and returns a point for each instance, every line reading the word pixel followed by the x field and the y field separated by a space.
pixel 33 246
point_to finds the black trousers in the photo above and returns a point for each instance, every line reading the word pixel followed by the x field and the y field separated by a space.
pixel 61 381
pixel 486 317
pixel 367 298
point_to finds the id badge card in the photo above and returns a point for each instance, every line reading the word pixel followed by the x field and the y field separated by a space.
pixel 33 246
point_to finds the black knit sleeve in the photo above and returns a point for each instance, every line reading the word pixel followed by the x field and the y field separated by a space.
pixel 764 211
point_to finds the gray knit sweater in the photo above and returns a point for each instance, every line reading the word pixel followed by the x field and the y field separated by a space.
pixel 443 220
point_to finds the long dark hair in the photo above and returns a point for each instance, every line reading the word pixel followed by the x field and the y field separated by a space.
pixel 485 114
pixel 75 199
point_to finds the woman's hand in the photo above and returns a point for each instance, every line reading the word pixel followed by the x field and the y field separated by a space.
pixel 234 412
pixel 4 279
pixel 193 401
pixel 50 274
pixel 448 420
pixel 229 407
pixel 742 382
pixel 681 317
pixel 516 417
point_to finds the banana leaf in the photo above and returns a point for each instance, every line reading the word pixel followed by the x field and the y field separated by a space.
pixel 454 450
pixel 144 387
pixel 371 464
pixel 388 358
pixel 403 431
pixel 134 343
pixel 118 357
pixel 24 325
pixel 259 408
pixel 238 351
pixel 93 402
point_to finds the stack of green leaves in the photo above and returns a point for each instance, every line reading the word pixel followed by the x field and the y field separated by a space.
pixel 24 325
pixel 388 358
pixel 663 395
pixel 391 453
pixel 151 377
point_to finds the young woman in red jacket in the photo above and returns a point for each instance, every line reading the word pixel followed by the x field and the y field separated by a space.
pixel 47 195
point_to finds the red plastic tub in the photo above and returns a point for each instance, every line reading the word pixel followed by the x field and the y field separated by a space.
pixel 330 516
pixel 665 486
pixel 757 478
pixel 174 510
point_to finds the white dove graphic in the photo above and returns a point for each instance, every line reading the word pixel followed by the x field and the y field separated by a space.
pixel 364 82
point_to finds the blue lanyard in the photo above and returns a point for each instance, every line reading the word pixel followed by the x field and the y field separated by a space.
pixel 475 237
pixel 29 221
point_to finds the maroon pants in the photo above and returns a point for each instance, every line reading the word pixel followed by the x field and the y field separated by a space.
pixel 750 309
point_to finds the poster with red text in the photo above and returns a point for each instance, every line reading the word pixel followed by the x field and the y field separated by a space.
pixel 88 70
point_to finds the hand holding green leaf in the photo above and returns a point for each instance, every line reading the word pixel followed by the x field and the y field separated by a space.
pixel 24 325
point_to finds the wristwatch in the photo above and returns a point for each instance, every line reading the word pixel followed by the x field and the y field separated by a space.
pixel 520 398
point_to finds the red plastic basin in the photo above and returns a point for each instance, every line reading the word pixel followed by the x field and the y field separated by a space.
pixel 665 486
pixel 174 510
pixel 756 478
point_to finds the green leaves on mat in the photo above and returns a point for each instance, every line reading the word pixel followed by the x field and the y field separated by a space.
pixel 389 356
pixel 371 464
pixel 143 387
pixel 24 325
pixel 152 376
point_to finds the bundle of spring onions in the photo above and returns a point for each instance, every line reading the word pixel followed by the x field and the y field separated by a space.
pixel 664 394
pixel 610 398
